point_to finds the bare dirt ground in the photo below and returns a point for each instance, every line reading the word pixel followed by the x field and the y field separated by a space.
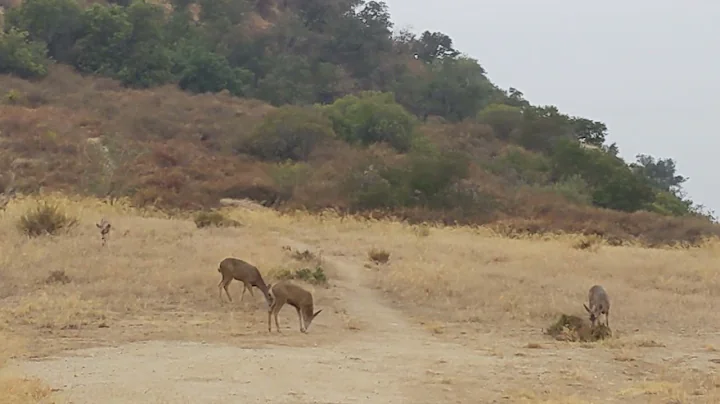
pixel 109 337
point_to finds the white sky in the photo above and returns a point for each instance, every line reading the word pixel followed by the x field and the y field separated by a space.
pixel 650 70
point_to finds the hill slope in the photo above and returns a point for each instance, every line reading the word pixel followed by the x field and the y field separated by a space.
pixel 309 104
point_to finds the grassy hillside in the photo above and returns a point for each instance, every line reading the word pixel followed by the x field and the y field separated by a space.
pixel 310 105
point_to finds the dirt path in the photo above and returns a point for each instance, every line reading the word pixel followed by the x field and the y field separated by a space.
pixel 389 359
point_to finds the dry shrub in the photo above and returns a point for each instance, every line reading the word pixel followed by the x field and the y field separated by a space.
pixel 215 219
pixel 575 329
pixel 58 276
pixel 45 219
pixel 588 243
pixel 379 256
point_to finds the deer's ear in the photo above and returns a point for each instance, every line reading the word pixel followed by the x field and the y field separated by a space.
pixel 316 313
pixel 586 308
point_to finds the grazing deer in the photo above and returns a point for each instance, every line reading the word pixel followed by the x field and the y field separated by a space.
pixel 104 227
pixel 8 193
pixel 302 300
pixel 599 304
pixel 233 268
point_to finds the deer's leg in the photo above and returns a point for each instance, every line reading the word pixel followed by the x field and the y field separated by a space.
pixel 243 292
pixel 226 284
pixel 302 329
pixel 607 319
pixel 277 326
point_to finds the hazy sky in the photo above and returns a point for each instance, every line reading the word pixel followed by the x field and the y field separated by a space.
pixel 650 70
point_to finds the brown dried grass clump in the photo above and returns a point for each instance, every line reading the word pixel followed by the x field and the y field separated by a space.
pixel 575 329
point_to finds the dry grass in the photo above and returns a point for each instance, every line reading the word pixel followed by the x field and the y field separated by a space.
pixel 158 279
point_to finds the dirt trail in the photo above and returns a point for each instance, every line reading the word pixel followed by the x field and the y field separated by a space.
pixel 388 360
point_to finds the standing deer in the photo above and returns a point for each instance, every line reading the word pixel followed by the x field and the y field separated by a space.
pixel 599 304
pixel 248 274
pixel 104 227
pixel 302 300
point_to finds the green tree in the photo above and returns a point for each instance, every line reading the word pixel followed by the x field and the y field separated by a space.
pixel 614 184
pixel 54 22
pixel 661 172
pixel 435 45
pixel 21 56
pixel 200 70
pixel 457 90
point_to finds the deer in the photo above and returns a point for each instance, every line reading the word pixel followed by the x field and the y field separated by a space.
pixel 599 304
pixel 292 294
pixel 248 274
pixel 104 227
pixel 8 193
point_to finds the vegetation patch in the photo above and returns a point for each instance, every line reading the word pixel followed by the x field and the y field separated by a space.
pixel 378 256
pixel 214 219
pixel 576 329
pixel 314 276
pixel 45 219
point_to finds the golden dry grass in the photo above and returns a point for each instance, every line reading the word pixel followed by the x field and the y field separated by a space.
pixel 157 278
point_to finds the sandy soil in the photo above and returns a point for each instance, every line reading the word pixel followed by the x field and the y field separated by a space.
pixel 385 356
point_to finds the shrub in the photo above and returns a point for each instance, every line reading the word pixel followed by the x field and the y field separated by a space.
pixel 372 117
pixel 289 132
pixel 215 219
pixel 378 256
pixel 45 219
pixel 22 57
pixel 316 276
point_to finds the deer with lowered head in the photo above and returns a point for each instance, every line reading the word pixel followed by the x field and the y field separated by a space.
pixel 292 294
pixel 599 304
pixel 234 268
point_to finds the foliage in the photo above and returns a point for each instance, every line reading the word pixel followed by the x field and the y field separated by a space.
pixel 45 219
pixel 289 132
pixel 614 185
pixel 372 117
pixel 315 276
pixel 21 56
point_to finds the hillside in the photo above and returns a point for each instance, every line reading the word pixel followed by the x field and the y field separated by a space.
pixel 307 104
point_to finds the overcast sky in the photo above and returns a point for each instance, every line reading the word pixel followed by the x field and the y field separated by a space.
pixel 650 70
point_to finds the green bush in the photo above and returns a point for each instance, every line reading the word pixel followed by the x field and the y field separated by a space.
pixel 21 56
pixel 45 219
pixel 289 132
pixel 372 117
pixel 315 276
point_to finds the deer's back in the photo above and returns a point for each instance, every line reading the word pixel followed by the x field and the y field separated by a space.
pixel 293 294
pixel 598 297
pixel 240 269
